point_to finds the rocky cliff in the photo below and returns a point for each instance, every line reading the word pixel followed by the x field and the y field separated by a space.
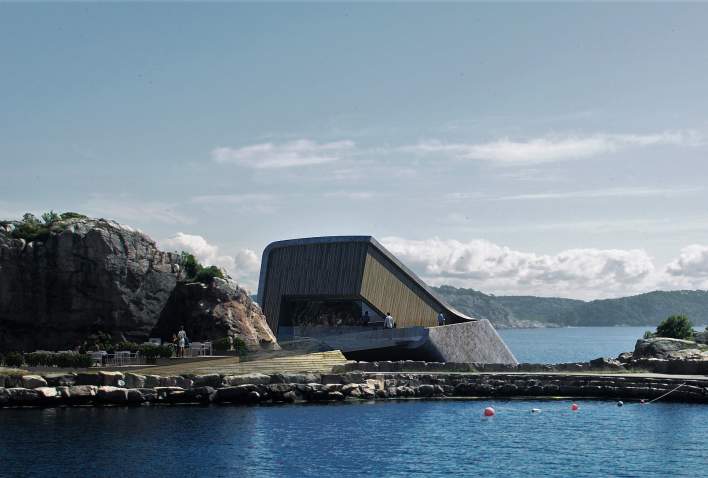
pixel 212 311
pixel 86 276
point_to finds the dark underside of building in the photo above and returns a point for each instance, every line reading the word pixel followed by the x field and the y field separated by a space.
pixel 337 290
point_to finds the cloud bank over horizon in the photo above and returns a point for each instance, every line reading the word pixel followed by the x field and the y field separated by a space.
pixel 585 273
pixel 573 273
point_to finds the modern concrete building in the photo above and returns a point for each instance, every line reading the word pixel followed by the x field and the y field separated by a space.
pixel 338 289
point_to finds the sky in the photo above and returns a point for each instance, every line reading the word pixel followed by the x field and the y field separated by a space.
pixel 534 149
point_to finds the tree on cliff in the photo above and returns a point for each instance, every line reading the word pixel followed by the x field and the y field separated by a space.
pixel 195 272
pixel 676 327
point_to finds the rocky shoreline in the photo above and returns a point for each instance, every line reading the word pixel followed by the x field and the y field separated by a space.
pixel 347 382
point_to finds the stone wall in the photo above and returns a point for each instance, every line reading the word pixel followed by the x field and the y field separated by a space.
pixel 116 388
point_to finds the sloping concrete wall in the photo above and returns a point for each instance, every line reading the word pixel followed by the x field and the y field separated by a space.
pixel 471 342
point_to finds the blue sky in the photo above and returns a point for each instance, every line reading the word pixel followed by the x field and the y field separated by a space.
pixel 550 149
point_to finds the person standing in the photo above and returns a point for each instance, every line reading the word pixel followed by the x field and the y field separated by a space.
pixel 389 323
pixel 441 319
pixel 182 341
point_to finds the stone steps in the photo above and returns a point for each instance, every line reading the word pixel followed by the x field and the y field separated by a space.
pixel 314 362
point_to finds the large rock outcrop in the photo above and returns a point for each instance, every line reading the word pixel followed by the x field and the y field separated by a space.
pixel 213 311
pixel 91 276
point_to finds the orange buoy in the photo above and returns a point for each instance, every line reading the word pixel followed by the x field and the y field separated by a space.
pixel 575 407
pixel 489 412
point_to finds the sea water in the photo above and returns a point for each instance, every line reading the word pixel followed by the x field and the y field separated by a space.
pixel 571 344
pixel 432 438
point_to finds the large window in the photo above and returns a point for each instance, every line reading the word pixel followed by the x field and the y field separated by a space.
pixel 330 312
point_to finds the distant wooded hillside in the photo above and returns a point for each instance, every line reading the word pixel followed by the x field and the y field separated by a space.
pixel 530 311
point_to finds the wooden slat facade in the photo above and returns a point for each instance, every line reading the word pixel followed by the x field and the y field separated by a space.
pixel 346 267
pixel 390 290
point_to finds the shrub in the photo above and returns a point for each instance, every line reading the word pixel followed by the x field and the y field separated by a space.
pixel 13 359
pixel 190 265
pixel 39 359
pixel 676 327
pixel 129 346
pixel 72 215
pixel 648 334
pixel 221 345
pixel 195 272
pixel 30 229
pixel 152 352
pixel 83 361
pixel 50 218
pixel 206 274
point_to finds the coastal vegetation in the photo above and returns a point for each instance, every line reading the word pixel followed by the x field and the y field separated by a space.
pixel 46 359
pixel 196 272
pixel 222 345
pixel 676 327
pixel 31 228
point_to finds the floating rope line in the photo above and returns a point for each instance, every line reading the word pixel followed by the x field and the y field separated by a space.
pixel 662 396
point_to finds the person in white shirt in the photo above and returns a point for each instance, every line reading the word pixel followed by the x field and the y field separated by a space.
pixel 441 319
pixel 182 341
pixel 389 322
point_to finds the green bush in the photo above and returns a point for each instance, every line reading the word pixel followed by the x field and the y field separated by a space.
pixel 13 359
pixel 152 352
pixel 129 346
pixel 72 360
pixel 648 334
pixel 190 265
pixel 206 274
pixel 39 359
pixel 30 228
pixel 72 215
pixel 676 327
pixel 222 345
pixel 195 272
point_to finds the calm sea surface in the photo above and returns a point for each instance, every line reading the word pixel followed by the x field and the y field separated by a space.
pixel 381 439
pixel 576 344
pixel 397 438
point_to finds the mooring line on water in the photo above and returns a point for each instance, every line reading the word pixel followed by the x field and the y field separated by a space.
pixel 662 396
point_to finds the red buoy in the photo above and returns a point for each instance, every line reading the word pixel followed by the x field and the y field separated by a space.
pixel 575 407
pixel 489 412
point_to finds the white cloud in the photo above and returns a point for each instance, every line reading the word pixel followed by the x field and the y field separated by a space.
pixel 692 263
pixel 602 193
pixel 483 265
pixel 302 152
pixel 552 148
pixel 242 267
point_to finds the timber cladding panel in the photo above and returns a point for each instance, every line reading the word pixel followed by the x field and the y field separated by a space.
pixel 390 290
pixel 312 269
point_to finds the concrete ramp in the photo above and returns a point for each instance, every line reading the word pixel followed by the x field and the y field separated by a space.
pixel 469 342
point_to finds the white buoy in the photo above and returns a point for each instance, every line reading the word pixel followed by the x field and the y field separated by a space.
pixel 620 403
pixel 535 410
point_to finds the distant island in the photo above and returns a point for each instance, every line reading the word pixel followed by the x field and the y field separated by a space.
pixel 529 311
